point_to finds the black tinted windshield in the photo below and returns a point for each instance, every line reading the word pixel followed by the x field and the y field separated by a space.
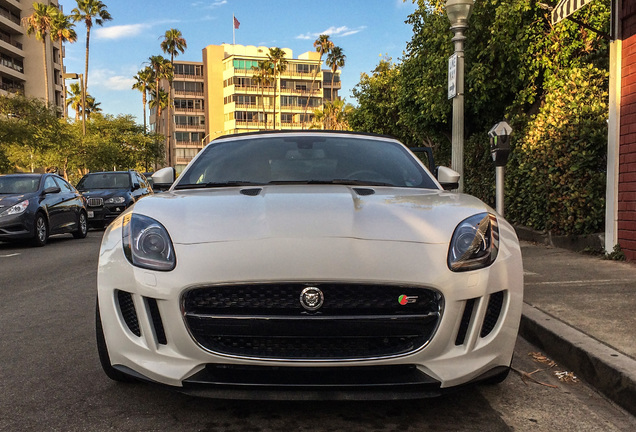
pixel 19 184
pixel 105 181
pixel 308 158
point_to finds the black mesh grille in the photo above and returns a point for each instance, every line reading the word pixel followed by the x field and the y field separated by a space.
pixel 463 327
pixel 283 299
pixel 160 333
pixel 127 308
pixel 355 321
pixel 495 303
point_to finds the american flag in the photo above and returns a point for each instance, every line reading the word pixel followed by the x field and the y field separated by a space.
pixel 236 23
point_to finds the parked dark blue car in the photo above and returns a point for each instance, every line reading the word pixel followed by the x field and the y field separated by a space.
pixel 35 206
pixel 109 193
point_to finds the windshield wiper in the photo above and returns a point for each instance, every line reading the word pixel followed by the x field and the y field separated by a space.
pixel 232 183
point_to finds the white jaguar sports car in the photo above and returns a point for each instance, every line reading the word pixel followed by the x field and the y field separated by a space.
pixel 309 265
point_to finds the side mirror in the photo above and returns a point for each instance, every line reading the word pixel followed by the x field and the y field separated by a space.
pixel 135 186
pixel 448 178
pixel 163 179
pixel 52 190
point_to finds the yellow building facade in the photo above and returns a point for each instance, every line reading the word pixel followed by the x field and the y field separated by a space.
pixel 223 95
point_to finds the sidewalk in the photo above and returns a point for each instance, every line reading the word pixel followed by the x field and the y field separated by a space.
pixel 581 311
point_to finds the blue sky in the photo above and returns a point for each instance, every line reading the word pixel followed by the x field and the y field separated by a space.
pixel 366 30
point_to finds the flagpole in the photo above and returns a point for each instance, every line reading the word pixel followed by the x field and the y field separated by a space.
pixel 233 31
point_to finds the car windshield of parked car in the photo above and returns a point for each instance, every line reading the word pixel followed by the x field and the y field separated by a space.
pixel 319 159
pixel 19 184
pixel 105 181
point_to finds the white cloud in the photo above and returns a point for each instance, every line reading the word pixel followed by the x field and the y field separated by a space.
pixel 332 31
pixel 109 80
pixel 120 31
pixel 120 82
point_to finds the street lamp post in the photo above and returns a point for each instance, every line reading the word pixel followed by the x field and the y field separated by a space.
pixel 458 12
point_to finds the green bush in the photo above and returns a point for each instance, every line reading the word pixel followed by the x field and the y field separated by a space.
pixel 556 177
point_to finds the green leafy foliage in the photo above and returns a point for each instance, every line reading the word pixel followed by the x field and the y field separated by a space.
pixel 34 138
pixel 549 82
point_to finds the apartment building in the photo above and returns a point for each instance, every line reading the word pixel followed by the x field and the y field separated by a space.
pixel 221 95
pixel 21 68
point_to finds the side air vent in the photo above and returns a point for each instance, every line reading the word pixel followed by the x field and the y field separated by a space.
pixel 493 311
pixel 128 312
pixel 157 323
pixel 463 327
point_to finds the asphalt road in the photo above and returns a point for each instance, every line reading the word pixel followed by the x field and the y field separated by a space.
pixel 51 380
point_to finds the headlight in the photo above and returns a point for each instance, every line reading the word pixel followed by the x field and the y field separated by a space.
pixel 115 200
pixel 147 243
pixel 475 243
pixel 16 209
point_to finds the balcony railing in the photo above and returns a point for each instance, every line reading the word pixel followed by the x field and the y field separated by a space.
pixel 10 41
pixel 190 127
pixel 10 16
pixel 188 92
pixel 188 76
pixel 189 110
pixel 12 88
pixel 188 144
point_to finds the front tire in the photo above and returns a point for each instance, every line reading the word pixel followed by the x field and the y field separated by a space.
pixel 41 230
pixel 104 358
pixel 82 226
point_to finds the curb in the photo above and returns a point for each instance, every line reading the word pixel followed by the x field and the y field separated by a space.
pixel 575 243
pixel 609 371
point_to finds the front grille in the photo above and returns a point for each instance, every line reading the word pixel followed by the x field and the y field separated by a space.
pixel 95 202
pixel 268 320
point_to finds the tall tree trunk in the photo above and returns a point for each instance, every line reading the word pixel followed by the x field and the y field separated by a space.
pixel 275 84
pixel 144 101
pixel 46 73
pixel 88 37
pixel 63 83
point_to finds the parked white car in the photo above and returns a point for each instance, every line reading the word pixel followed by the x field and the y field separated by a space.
pixel 309 265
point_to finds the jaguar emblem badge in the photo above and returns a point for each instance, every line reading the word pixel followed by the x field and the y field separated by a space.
pixel 311 298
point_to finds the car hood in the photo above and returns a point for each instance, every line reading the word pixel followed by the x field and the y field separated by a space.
pixel 10 200
pixel 310 211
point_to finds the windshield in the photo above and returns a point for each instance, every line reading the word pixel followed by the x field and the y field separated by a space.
pixel 105 181
pixel 19 184
pixel 308 158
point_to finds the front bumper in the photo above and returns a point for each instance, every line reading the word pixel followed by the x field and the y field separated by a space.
pixel 152 341
pixel 104 214
pixel 17 227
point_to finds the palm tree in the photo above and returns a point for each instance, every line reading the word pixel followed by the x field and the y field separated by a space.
pixel 333 116
pixel 74 100
pixel 62 31
pixel 335 59
pixel 322 45
pixel 162 69
pixel 158 100
pixel 144 80
pixel 263 78
pixel 86 11
pixel 39 23
pixel 172 44
pixel 279 64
